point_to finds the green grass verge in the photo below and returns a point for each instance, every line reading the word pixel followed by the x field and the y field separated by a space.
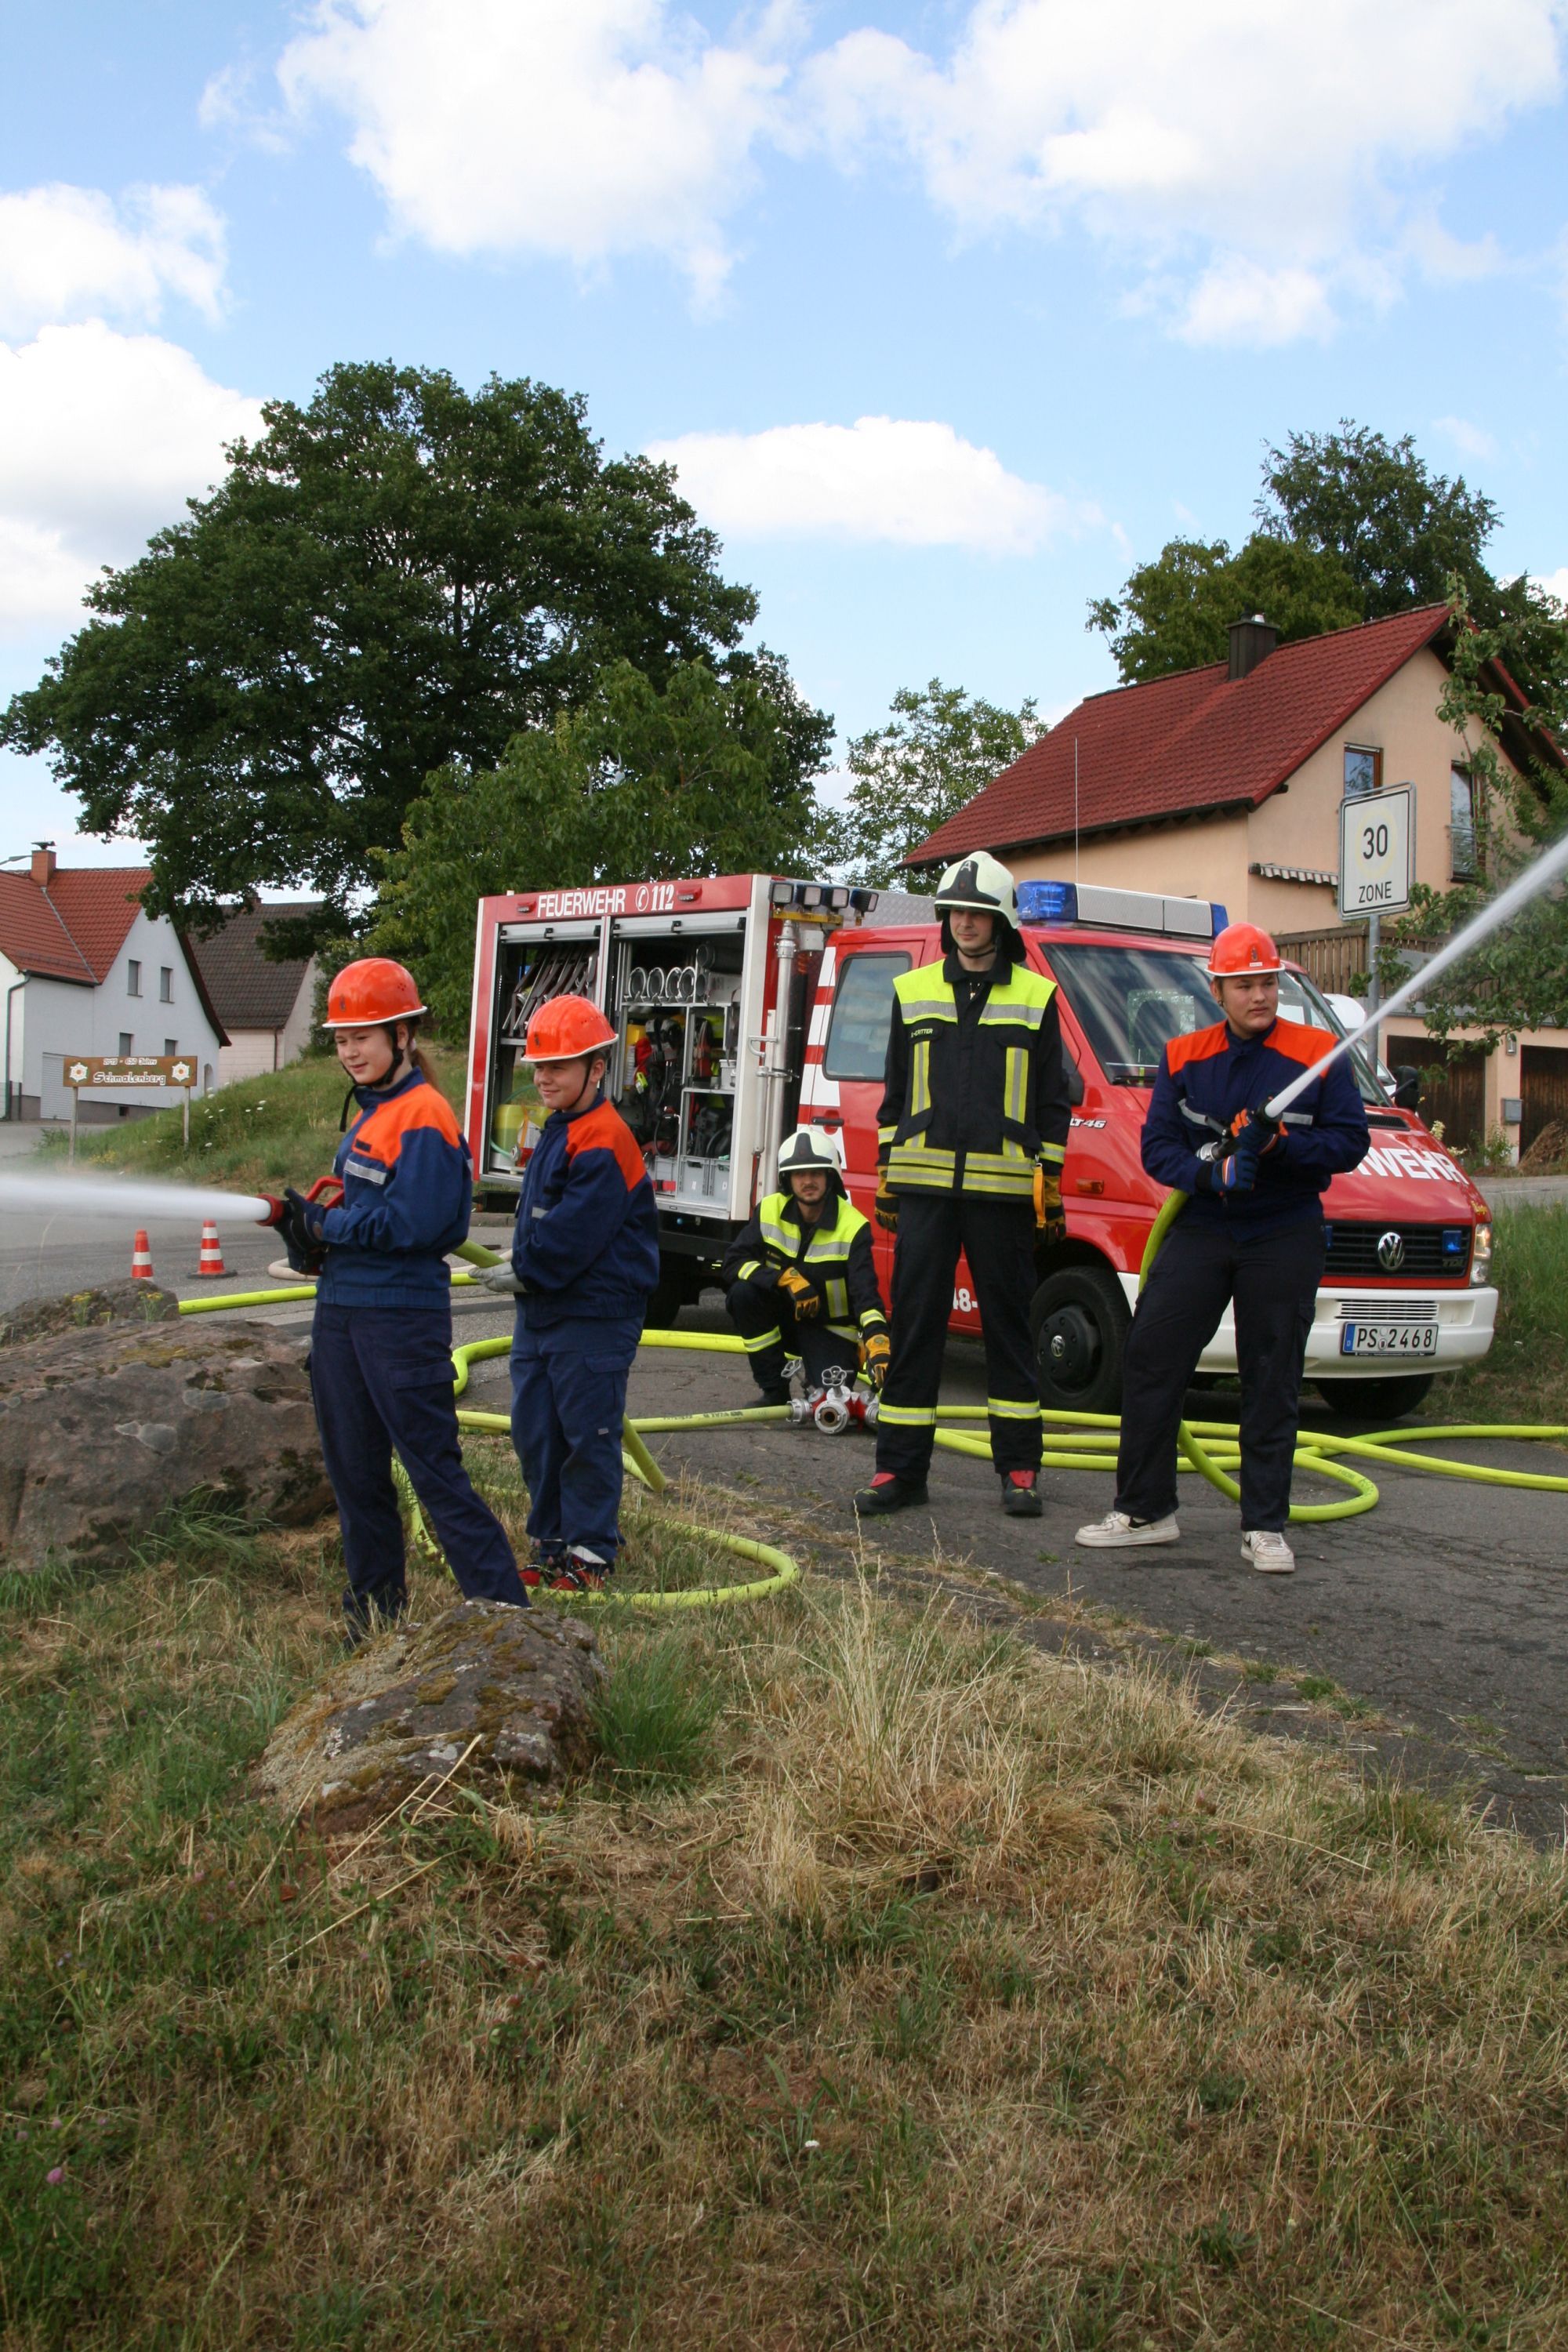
pixel 887 1983
pixel 284 1126
pixel 1525 1376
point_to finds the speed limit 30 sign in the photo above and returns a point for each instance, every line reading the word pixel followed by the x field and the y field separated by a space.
pixel 1377 847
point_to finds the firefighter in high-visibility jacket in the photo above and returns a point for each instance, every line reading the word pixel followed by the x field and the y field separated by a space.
pixel 800 1278
pixel 973 1131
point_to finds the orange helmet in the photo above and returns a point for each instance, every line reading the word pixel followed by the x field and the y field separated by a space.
pixel 1242 948
pixel 371 991
pixel 565 1029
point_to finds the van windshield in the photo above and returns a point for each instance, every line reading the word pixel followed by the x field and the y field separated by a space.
pixel 1131 1002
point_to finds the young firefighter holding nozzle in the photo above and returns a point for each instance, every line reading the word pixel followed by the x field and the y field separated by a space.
pixel 585 1257
pixel 1252 1232
pixel 800 1280
pixel 381 1344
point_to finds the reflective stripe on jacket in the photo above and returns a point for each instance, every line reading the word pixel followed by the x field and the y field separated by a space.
pixel 836 1259
pixel 407 1193
pixel 976 1088
pixel 1208 1077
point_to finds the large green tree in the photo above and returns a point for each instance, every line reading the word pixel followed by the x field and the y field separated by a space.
pixel 1175 612
pixel 940 748
pixel 709 775
pixel 1351 527
pixel 399 575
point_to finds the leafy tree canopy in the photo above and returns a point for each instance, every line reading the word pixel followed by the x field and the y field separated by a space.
pixel 709 775
pixel 396 578
pixel 938 750
pixel 1401 532
pixel 1351 526
pixel 1176 613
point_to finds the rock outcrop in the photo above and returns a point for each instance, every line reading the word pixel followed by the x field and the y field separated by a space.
pixel 105 1427
pixel 486 1690
pixel 87 1310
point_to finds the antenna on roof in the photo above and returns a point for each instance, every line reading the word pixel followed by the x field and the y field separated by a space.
pixel 1075 871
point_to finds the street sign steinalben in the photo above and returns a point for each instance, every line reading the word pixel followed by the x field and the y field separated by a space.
pixel 122 1071
pixel 1377 844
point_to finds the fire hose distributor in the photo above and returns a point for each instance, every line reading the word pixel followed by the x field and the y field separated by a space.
pixel 834 1406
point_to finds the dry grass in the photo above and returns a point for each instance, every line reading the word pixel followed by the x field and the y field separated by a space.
pixel 962 1996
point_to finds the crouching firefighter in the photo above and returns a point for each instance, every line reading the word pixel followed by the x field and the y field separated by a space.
pixel 585 1257
pixel 800 1280
pixel 381 1344
pixel 1252 1233
pixel 973 1132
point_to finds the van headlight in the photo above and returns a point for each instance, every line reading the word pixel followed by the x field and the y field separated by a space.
pixel 1482 1256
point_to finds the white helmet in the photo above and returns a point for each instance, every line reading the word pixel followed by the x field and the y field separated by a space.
pixel 812 1146
pixel 981 882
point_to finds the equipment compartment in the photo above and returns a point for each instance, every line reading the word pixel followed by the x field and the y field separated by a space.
pixel 675 999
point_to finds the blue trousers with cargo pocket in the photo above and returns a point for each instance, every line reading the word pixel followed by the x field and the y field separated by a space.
pixel 568 1400
pixel 381 1378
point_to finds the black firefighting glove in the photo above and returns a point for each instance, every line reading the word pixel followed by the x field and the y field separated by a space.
pixel 300 1226
pixel 1050 1217
pixel 800 1293
pixel 876 1353
pixel 886 1206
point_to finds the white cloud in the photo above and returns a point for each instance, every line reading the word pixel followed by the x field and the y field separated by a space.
pixel 1283 136
pixel 1554 582
pixel 579 129
pixel 102 438
pixel 74 253
pixel 909 483
pixel 1471 440
pixel 1240 302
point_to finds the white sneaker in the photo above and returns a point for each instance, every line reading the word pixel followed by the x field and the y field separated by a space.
pixel 1118 1532
pixel 1268 1550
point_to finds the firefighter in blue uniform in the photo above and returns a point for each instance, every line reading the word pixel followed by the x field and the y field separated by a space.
pixel 973 1131
pixel 584 1259
pixel 1251 1232
pixel 800 1278
pixel 380 1343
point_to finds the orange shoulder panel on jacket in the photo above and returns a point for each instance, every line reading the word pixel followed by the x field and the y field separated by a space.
pixel 421 1107
pixel 1197 1046
pixel 1298 1043
pixel 603 1129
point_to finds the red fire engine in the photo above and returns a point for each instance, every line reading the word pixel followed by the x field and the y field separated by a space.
pixel 744 1002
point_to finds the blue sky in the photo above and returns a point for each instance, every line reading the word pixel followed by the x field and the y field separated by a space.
pixel 947 314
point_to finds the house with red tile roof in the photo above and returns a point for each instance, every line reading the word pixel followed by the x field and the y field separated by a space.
pixel 265 1003
pixel 1225 783
pixel 85 969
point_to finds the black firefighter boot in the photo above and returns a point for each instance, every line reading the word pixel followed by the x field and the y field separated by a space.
pixel 1021 1493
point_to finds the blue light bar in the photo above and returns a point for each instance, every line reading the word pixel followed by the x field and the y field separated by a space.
pixel 1047 902
pixel 1221 919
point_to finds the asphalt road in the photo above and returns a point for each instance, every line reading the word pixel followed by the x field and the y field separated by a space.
pixel 1445 1610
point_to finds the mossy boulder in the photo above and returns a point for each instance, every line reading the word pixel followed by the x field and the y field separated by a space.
pixel 484 1692
pixel 106 1424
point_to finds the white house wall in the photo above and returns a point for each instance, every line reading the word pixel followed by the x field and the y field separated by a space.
pixel 256 1053
pixel 54 1021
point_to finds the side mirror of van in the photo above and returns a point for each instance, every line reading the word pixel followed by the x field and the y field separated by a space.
pixel 1075 1079
pixel 1408 1085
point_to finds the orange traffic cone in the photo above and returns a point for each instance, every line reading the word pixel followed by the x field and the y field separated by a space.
pixel 211 1250
pixel 140 1258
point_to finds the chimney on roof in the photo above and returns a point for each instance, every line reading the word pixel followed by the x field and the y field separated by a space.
pixel 1251 641
pixel 43 861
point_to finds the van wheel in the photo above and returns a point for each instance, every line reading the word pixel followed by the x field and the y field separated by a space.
pixel 1371 1400
pixel 667 1296
pixel 1079 1319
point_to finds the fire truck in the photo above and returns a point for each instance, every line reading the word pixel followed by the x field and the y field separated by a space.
pixel 745 1003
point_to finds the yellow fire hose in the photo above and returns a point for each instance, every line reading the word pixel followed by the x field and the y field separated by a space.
pixel 1088 1440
